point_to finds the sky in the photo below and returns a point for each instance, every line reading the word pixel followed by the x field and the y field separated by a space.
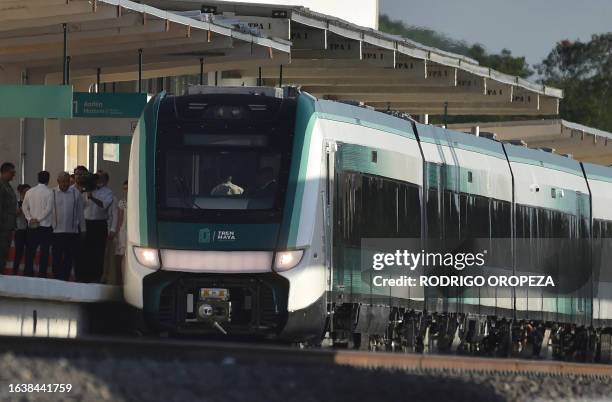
pixel 528 28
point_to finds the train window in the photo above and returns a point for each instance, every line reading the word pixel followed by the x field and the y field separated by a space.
pixel 409 211
pixel 370 206
pixel 433 204
pixel 451 210
pixel 379 207
pixel 221 180
pixel 347 209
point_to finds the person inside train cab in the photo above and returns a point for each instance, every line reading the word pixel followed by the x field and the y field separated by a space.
pixel 227 188
pixel 67 220
pixel 38 208
pixel 21 228
pixel 97 206
pixel 8 211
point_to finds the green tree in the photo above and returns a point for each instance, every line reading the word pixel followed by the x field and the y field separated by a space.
pixel 504 62
pixel 584 71
pixel 422 35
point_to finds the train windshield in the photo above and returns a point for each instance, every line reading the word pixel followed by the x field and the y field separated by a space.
pixel 222 179
pixel 222 168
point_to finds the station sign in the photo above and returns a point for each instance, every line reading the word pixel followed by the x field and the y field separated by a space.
pixel 118 105
pixel 36 101
pixel 110 139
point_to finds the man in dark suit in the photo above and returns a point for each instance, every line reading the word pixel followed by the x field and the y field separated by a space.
pixel 8 211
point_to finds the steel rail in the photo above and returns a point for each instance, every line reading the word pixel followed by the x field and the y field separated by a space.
pixel 178 349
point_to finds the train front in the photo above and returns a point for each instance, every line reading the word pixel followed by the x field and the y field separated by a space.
pixel 208 192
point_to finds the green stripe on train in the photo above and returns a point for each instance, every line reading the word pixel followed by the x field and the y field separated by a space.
pixel 304 125
pixel 146 165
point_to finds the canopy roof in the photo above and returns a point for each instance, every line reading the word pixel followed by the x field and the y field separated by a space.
pixel 108 34
pixel 327 56
pixel 334 59
pixel 583 143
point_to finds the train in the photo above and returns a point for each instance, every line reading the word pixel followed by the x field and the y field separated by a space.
pixel 249 207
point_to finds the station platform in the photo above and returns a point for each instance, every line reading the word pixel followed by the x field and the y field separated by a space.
pixel 50 307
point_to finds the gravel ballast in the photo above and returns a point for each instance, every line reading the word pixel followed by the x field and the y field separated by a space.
pixel 129 379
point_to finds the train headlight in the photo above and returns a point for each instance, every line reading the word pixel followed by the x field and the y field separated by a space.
pixel 285 260
pixel 149 257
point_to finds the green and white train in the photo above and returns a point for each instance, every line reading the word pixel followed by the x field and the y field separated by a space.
pixel 248 206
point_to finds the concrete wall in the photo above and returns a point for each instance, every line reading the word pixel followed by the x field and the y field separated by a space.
pixel 10 129
pixel 22 317
pixel 34 138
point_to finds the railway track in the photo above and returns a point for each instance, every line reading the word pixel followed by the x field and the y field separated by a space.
pixel 173 349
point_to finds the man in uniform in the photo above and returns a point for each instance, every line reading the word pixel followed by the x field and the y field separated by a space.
pixel 8 211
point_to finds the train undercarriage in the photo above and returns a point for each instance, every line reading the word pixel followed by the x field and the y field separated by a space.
pixel 414 331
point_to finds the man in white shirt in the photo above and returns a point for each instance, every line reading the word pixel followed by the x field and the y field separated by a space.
pixel 67 220
pixel 96 231
pixel 37 209
pixel 227 188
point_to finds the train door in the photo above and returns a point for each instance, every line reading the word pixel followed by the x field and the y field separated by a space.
pixel 327 196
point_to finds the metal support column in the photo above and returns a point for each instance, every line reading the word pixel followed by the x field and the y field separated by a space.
pixel 139 70
pixel 65 68
pixel 216 78
pixel 98 73
pixel 259 83
pixel 445 114
pixel 280 76
pixel 201 70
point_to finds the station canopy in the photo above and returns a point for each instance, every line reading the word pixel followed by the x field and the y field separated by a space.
pixel 326 56
pixel 337 60
pixel 107 35
pixel 583 143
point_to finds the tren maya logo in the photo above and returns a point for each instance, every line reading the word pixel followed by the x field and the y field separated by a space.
pixel 204 235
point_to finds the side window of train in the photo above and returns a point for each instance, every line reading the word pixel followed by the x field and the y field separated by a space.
pixel 409 211
pixel 474 216
pixel 347 207
pixel 501 219
pixel 451 210
pixel 379 207
pixel 371 206
pixel 390 208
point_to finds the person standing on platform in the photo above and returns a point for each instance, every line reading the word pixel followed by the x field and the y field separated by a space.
pixel 80 258
pixel 21 230
pixel 8 211
pixel 37 208
pixel 67 219
pixel 96 230
pixel 79 172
